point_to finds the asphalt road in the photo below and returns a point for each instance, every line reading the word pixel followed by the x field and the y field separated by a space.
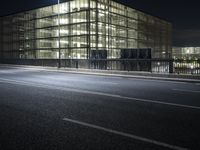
pixel 64 111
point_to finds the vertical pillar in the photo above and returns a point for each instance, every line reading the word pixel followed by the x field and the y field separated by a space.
pixel 88 30
pixel 97 27
pixel 69 37
pixel 1 39
pixel 59 61
pixel 127 35
pixel 171 66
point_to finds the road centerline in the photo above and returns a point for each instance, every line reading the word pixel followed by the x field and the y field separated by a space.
pixel 127 135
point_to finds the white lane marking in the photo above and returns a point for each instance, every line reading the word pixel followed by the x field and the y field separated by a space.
pixel 97 93
pixel 183 90
pixel 7 72
pixel 128 135
pixel 74 80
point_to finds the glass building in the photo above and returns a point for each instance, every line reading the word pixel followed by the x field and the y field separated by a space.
pixel 188 53
pixel 80 29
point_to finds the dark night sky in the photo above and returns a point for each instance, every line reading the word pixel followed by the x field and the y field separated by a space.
pixel 184 14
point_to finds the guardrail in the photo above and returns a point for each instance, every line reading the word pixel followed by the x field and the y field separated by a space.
pixel 146 65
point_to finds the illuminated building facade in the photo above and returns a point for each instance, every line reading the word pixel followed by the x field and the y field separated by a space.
pixel 83 29
pixel 187 53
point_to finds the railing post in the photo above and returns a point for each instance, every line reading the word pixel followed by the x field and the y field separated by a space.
pixel 76 64
pixel 171 67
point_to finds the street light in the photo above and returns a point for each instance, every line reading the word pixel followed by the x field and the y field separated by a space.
pixel 59 57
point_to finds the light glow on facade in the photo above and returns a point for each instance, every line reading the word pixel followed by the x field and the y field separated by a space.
pixel 85 26
pixel 187 53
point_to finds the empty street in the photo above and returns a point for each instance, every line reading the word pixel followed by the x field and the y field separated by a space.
pixel 61 111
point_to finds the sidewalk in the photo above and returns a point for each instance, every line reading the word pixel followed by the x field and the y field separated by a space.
pixel 125 74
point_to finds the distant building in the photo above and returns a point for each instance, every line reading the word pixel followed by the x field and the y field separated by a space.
pixel 84 29
pixel 188 53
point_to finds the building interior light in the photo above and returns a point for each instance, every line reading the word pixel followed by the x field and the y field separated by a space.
pixel 78 56
pixel 64 31
pixel 64 8
pixel 62 21
pixel 62 41
pixel 57 54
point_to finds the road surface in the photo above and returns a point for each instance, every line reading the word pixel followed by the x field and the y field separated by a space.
pixel 64 111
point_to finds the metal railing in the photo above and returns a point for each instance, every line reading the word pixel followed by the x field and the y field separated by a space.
pixel 186 66
pixel 145 65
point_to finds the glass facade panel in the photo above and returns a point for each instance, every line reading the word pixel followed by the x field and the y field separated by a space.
pixel 187 53
pixel 84 26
